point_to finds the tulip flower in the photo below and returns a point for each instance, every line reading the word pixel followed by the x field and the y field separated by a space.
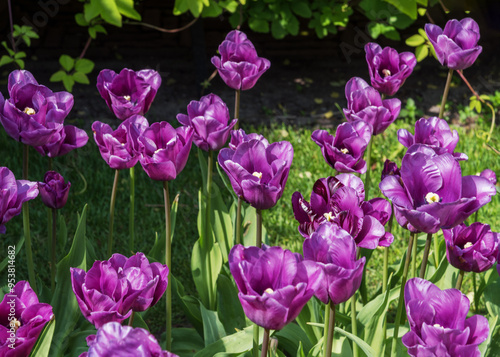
pixel 53 190
pixel 365 103
pixel 473 248
pixel 13 193
pixel 128 93
pixel 22 319
pixel 239 136
pixel 455 46
pixel 433 132
pixel 438 322
pixel 390 168
pixel 165 150
pixel 238 65
pixel 63 141
pixel 344 151
pixel 258 170
pixel 490 175
pixel 113 288
pixel 113 339
pixel 33 113
pixel 274 284
pixel 431 193
pixel 120 148
pixel 340 201
pixel 388 68
pixel 209 117
pixel 334 250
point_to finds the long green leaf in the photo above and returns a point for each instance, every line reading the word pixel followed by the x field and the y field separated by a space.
pixel 186 342
pixel 213 330
pixel 238 342
pixel 228 305
pixel 190 305
pixel 205 271
pixel 42 346
pixel 291 337
pixel 362 344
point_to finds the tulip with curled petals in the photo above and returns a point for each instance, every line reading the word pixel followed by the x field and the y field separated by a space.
pixel 239 136
pixel 456 46
pixel 388 68
pixel 62 142
pixel 238 64
pixel 54 190
pixel 490 175
pixel 431 193
pixel 258 171
pixel 13 193
pixel 274 284
pixel 334 250
pixel 22 319
pixel 113 288
pixel 344 151
pixel 438 322
pixel 209 117
pixel 129 92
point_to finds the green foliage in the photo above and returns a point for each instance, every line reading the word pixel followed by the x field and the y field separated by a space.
pixel 423 47
pixel 73 70
pixel 24 33
pixel 111 11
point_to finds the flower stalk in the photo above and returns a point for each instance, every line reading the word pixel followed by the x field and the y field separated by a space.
pixel 329 328
pixel 258 243
pixel 168 262
pixel 368 169
pixel 131 226
pixel 53 244
pixel 265 343
pixel 208 236
pixel 460 279
pixel 112 213
pixel 26 223
pixel 445 93
pixel 237 96
pixel 425 257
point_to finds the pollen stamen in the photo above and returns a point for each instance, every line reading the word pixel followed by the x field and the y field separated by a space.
pixel 257 174
pixel 29 111
pixel 432 197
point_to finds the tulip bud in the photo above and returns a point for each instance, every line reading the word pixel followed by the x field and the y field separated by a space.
pixel 53 190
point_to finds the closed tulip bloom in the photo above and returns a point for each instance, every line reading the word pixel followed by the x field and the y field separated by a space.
pixel 473 248
pixel 33 113
pixel 390 168
pixel 120 148
pixel 62 142
pixel 209 117
pixel 22 319
pixel 274 284
pixel 388 68
pixel 239 136
pixel 238 64
pixel 438 322
pixel 433 132
pixel 258 170
pixel 13 193
pixel 113 288
pixel 490 175
pixel 165 150
pixel 344 151
pixel 128 93
pixel 334 250
pixel 113 339
pixel 365 103
pixel 431 193
pixel 53 190
pixel 456 46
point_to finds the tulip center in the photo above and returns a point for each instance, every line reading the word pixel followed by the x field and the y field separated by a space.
pixel 257 174
pixel 29 111
pixel 386 72
pixel 432 197
pixel 468 245
pixel 15 324
pixel 329 216
pixel 344 151
pixel 269 291
pixel 127 98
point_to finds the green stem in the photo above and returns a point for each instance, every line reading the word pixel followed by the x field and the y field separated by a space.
pixel 355 352
pixel 436 251
pixel 112 213
pixel 460 279
pixel 238 221
pixel 385 282
pixel 237 96
pixel 401 295
pixel 425 258
pixel 53 259
pixel 131 227
pixel 131 318
pixel 168 262
pixel 368 156
pixel 208 236
pixel 325 331
pixel 258 240
pixel 26 224
pixel 330 329
pixel 475 290
pixel 414 256
pixel 445 93
pixel 255 350
pixel 265 343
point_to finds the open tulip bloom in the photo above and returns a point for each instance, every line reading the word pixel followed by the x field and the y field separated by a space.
pixel 238 64
pixel 128 93
pixel 68 138
pixel 456 46
pixel 438 322
pixel 431 193
pixel 388 68
pixel 274 284
pixel 239 136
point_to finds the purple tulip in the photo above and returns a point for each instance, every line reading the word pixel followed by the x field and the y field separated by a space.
pixel 388 68
pixel 490 175
pixel 165 150
pixel 22 319
pixel 274 284
pixel 473 248
pixel 33 113
pixel 334 250
pixel 433 132
pixel 120 148
pixel 239 136
pixel 340 201
pixel 113 339
pixel 62 142
pixel 209 118
pixel 53 190
pixel 238 65
pixel 390 168
pixel 128 93
pixel 258 170
pixel 13 193
pixel 344 152
pixel 113 288
pixel 438 322
pixel 455 46
pixel 431 193
pixel 365 103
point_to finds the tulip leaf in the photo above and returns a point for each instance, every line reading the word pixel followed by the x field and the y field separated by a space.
pixel 228 305
pixel 77 340
pixel 205 267
pixel 290 337
pixel 311 313
pixel 489 345
pixel 362 344
pixel 44 341
pixel 190 304
pixel 492 297
pixel 213 329
pixel 186 341
pixel 64 301
pixel 238 342
pixel 62 233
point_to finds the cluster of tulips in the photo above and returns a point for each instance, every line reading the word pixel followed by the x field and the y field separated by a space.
pixel 427 193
